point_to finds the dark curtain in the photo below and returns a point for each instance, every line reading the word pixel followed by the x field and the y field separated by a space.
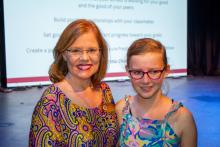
pixel 2 48
pixel 203 37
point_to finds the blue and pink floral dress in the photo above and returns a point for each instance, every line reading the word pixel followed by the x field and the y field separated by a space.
pixel 136 132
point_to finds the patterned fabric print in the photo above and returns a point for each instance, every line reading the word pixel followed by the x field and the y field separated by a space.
pixel 56 121
pixel 135 132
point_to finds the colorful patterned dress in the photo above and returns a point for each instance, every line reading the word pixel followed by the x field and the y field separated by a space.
pixel 58 122
pixel 135 132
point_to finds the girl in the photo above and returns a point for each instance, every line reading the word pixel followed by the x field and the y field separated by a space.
pixel 150 118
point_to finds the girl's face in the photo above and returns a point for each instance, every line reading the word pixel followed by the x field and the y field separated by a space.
pixel 147 72
pixel 83 57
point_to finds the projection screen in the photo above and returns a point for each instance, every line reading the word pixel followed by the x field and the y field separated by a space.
pixel 32 28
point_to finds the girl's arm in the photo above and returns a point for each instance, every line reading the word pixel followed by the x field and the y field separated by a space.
pixel 189 130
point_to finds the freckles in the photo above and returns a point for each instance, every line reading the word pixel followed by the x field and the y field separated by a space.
pixel 135 82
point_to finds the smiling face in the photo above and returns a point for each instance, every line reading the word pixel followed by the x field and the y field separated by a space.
pixel 147 62
pixel 82 65
pixel 147 57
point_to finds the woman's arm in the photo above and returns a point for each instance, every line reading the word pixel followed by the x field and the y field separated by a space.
pixel 45 127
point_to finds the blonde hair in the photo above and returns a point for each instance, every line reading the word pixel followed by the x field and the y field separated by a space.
pixel 145 45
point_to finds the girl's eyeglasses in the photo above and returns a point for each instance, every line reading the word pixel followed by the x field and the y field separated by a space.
pixel 152 74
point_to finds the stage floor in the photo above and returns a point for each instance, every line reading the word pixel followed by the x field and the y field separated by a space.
pixel 201 95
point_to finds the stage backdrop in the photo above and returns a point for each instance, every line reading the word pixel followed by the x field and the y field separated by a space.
pixel 32 28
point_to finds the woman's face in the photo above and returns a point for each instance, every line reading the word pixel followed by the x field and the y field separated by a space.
pixel 151 62
pixel 83 57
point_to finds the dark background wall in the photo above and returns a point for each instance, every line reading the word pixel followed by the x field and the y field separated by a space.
pixel 2 46
pixel 203 37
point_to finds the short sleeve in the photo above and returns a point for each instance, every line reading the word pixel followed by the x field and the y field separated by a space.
pixel 45 126
pixel 108 98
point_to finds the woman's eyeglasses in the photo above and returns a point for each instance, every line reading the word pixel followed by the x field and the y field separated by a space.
pixel 152 74
pixel 77 52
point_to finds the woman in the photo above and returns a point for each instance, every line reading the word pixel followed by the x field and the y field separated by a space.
pixel 77 109
pixel 150 118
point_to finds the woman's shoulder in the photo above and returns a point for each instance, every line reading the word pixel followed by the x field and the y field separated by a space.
pixel 50 99
pixel 104 85
pixel 54 88
pixel 107 94
pixel 50 94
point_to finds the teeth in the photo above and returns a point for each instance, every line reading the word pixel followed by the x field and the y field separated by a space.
pixel 84 67
pixel 146 88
